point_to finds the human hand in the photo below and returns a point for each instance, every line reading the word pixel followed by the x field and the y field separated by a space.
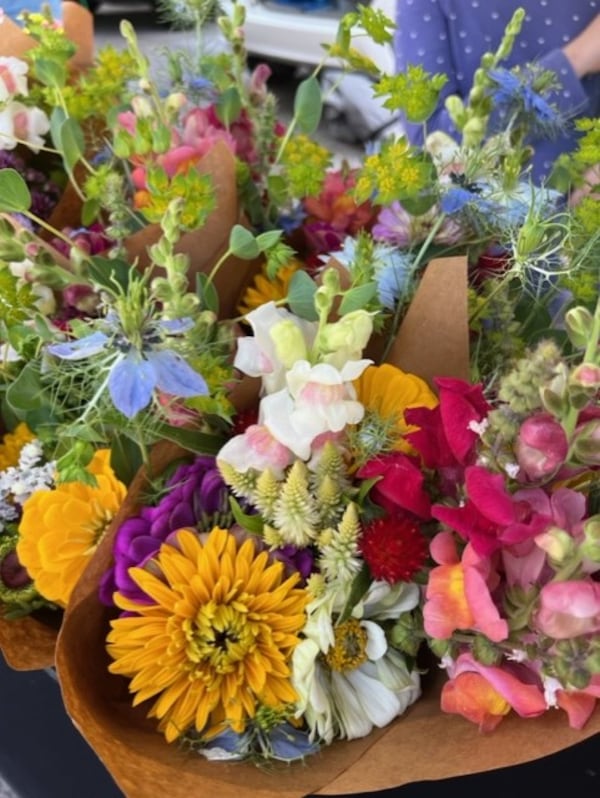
pixel 583 52
pixel 591 179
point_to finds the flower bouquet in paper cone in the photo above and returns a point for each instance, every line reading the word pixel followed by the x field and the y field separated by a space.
pixel 272 592
pixel 145 237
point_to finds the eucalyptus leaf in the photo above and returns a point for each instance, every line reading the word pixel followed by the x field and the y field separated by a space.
pixel 267 240
pixel 14 194
pixel 57 120
pixel 72 143
pixel 50 72
pixel 301 296
pixel 242 243
pixel 357 298
pixel 308 105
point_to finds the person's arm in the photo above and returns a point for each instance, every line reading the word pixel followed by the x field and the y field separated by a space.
pixel 422 39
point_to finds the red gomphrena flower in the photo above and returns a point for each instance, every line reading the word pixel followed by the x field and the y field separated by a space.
pixel 393 548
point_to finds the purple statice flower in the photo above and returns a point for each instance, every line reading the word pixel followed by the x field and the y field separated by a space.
pixel 195 496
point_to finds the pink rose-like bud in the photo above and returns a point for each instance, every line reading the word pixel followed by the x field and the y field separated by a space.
pixel 587 375
pixel 569 609
pixel 541 446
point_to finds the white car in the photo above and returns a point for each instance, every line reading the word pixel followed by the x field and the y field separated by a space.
pixel 294 32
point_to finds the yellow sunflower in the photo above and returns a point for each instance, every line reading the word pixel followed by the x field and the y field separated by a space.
pixel 12 443
pixel 61 528
pixel 266 290
pixel 386 392
pixel 215 644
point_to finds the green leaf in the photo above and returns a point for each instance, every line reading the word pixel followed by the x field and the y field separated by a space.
pixel 89 212
pixel 253 523
pixel 27 391
pixel 207 293
pixel 50 72
pixel 357 298
pixel 72 144
pixel 301 296
pixel 267 240
pixel 308 105
pixel 57 120
pixel 192 440
pixel 109 273
pixel 14 194
pixel 242 243
pixel 360 585
pixel 125 457
pixel 229 106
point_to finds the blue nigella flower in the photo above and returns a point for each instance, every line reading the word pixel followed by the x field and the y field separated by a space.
pixel 514 93
pixel 135 371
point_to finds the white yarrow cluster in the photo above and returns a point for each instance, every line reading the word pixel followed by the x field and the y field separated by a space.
pixel 17 483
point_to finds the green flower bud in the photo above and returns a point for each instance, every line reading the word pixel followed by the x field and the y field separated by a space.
pixel 473 132
pixel 586 446
pixel 440 648
pixel 406 635
pixel 590 546
pixel 586 375
pixel 579 323
pixel 289 342
pixel 557 544
pixel 485 651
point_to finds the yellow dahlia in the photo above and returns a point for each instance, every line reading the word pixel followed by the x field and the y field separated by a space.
pixel 12 443
pixel 61 528
pixel 214 645
pixel 266 290
pixel 386 392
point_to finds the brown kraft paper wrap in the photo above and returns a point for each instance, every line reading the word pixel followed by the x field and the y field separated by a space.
pixel 422 744
pixel 203 246
pixel 79 27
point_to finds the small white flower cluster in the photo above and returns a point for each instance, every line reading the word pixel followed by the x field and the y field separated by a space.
pixel 17 483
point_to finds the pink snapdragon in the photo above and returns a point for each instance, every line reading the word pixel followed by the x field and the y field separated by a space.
pixel 20 124
pixel 459 593
pixel 399 484
pixel 541 446
pixel 13 78
pixel 260 355
pixel 569 609
pixel 484 694
pixel 318 399
pixel 258 449
pixel 491 517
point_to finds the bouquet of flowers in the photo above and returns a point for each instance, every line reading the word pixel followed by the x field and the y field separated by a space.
pixel 332 493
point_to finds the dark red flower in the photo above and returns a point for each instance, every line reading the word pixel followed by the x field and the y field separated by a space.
pixel 394 548
pixel 399 484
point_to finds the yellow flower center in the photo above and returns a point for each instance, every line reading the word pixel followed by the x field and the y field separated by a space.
pixel 220 636
pixel 350 648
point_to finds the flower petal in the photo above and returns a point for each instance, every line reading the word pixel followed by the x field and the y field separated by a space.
pixel 81 348
pixel 131 383
pixel 174 376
